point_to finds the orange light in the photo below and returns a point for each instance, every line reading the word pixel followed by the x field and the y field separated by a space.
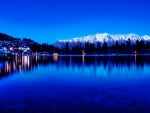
pixel 83 59
pixel 55 57
pixel 135 52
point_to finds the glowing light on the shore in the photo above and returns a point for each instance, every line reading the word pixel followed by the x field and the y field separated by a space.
pixel 83 52
pixel 20 48
pixel 135 52
pixel 11 48
pixel 55 57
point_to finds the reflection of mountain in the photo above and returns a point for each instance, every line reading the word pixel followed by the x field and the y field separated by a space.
pixel 28 63
pixel 105 60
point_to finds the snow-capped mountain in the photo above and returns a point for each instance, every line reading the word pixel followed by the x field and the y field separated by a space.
pixel 105 37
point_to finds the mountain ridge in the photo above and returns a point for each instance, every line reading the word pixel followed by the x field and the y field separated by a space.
pixel 101 38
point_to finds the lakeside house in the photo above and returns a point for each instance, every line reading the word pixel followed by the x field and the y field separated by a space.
pixel 4 50
pixel 15 50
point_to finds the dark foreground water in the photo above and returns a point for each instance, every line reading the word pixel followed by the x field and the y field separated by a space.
pixel 75 84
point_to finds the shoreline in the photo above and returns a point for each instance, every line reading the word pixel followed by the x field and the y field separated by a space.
pixel 113 54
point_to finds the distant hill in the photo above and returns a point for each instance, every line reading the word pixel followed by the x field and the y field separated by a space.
pixel 10 41
pixel 5 37
pixel 24 41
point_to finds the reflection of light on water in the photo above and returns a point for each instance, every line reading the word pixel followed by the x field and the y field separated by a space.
pixel 83 59
pixel 20 69
pixel 14 66
pixel 8 68
pixel 55 58
pixel 88 66
pixel 26 60
pixel 135 58
pixel 16 58
pixel 36 58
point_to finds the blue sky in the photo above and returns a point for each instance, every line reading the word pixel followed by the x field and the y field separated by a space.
pixel 50 20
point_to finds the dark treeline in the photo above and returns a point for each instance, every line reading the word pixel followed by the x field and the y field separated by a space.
pixel 140 46
pixel 44 48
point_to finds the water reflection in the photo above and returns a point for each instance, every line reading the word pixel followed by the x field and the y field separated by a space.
pixel 96 64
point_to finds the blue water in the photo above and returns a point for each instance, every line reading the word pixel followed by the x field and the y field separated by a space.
pixel 75 84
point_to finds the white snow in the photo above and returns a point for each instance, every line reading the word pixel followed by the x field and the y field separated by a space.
pixel 103 37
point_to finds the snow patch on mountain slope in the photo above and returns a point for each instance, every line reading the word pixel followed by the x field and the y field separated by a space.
pixel 105 37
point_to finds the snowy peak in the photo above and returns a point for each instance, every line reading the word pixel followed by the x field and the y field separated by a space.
pixel 105 37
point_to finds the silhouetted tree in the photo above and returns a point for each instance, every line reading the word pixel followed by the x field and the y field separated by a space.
pixel 105 47
pixel 98 49
pixel 122 48
pixel 117 47
pixel 129 45
pixel 137 46
pixel 67 49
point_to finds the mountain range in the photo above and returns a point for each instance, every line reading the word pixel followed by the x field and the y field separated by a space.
pixel 101 38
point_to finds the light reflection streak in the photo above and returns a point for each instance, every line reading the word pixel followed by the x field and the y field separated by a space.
pixel 55 58
pixel 83 59
pixel 27 63
pixel 36 58
pixel 135 57
pixel 20 70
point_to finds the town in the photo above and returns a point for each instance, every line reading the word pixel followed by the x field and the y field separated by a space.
pixel 16 46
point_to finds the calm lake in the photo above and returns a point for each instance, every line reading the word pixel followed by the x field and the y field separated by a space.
pixel 75 84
